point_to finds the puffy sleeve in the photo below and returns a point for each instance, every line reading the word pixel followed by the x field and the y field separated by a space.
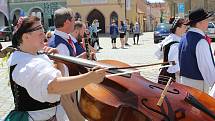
pixel 173 56
pixel 35 78
pixel 63 50
pixel 205 62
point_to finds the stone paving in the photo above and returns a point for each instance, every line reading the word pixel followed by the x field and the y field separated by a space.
pixel 6 100
pixel 135 54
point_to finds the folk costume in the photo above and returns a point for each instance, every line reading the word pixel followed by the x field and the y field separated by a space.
pixel 196 59
pixel 170 53
pixel 29 79
pixel 66 45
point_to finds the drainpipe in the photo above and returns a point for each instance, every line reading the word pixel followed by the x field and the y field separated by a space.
pixel 8 8
pixel 125 9
pixel 9 22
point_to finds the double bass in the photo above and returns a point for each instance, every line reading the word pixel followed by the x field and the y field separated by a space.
pixel 131 97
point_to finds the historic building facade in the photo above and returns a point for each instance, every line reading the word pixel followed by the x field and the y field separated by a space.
pixel 88 10
pixel 3 13
pixel 157 13
pixel 190 5
pixel 107 10
pixel 44 9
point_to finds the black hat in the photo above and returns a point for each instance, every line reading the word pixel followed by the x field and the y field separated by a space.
pixel 198 15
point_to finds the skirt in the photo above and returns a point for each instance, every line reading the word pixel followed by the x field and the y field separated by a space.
pixel 122 35
pixel 17 116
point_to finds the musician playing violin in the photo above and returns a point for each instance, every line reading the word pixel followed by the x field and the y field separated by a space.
pixel 36 84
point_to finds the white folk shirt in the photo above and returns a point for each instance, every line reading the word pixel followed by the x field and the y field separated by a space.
pixel 205 62
pixel 62 48
pixel 173 52
pixel 35 73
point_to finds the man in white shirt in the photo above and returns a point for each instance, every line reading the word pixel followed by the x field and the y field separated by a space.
pixel 197 68
pixel 65 44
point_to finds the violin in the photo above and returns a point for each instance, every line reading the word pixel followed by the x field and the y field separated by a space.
pixel 131 97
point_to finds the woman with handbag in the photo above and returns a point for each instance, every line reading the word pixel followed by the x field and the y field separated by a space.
pixel 170 51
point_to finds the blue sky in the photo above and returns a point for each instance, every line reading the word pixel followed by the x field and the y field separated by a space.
pixel 152 1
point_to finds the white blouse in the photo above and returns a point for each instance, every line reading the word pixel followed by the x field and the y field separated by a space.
pixel 173 52
pixel 34 73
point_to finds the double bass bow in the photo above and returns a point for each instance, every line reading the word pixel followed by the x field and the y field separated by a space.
pixel 134 98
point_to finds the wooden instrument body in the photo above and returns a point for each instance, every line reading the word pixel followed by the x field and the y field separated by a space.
pixel 123 99
pixel 134 99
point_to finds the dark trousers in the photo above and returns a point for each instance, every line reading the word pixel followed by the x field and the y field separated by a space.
pixel 113 40
pixel 137 38
pixel 96 39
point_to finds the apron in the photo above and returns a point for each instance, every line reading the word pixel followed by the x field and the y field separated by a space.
pixel 17 116
pixel 22 116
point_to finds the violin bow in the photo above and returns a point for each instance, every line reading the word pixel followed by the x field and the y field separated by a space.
pixel 163 94
pixel 145 65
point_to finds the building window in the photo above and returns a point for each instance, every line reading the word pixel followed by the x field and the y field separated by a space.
pixel 93 1
pixel 128 4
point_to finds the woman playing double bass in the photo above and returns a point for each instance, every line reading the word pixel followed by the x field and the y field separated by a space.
pixel 36 84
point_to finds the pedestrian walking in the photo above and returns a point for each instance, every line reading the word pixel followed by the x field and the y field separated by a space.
pixel 114 33
pixel 131 27
pixel 95 34
pixel 122 31
pixel 127 28
pixel 136 32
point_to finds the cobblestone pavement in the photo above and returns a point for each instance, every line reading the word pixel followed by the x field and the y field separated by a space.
pixel 135 54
